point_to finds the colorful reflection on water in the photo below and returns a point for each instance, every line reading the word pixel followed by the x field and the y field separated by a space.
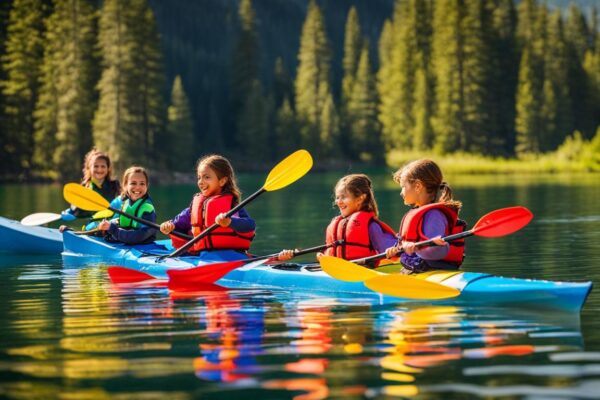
pixel 73 334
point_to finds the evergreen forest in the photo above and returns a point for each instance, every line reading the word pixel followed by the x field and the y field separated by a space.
pixel 160 83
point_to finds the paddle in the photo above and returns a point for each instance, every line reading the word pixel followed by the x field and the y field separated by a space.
pixel 209 273
pixel 206 273
pixel 289 170
pixel 40 218
pixel 494 224
pixel 497 223
pixel 87 199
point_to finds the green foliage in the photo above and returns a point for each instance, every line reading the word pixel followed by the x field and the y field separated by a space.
pixel 130 116
pixel 312 84
pixel 66 102
pixel 365 141
pixel 21 64
pixel 254 124
pixel 180 130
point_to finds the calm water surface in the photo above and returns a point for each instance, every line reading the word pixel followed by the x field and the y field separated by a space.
pixel 68 333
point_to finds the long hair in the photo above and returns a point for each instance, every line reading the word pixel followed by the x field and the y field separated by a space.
pixel 134 169
pixel 430 175
pixel 223 169
pixel 357 185
pixel 88 161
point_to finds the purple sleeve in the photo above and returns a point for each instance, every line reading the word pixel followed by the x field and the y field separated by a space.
pixel 183 221
pixel 241 222
pixel 434 224
pixel 379 239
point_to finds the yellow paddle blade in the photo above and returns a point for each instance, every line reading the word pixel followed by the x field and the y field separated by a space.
pixel 84 198
pixel 289 170
pixel 343 270
pixel 406 286
pixel 104 214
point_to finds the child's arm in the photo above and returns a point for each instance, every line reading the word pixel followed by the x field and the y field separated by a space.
pixel 134 236
pixel 379 239
pixel 435 224
pixel 239 222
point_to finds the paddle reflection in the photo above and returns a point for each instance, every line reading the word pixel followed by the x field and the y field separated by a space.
pixel 427 340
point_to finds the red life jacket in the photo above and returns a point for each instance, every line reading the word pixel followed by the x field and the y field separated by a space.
pixel 354 231
pixel 203 213
pixel 411 229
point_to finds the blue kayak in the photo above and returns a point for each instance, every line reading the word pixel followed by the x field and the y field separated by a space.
pixel 476 288
pixel 20 239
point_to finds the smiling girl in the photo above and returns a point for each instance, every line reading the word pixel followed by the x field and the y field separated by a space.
pixel 219 193
pixel 136 201
pixel 362 233
pixel 434 214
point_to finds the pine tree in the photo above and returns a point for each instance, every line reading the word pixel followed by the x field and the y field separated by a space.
pixel 312 83
pixel 245 64
pixel 505 71
pixel 180 130
pixel 282 83
pixel 423 132
pixel 21 64
pixel 286 128
pixel 577 38
pixel 329 134
pixel 591 66
pixel 67 99
pixel 253 125
pixel 476 77
pixel 556 109
pixel 130 116
pixel 364 127
pixel 447 42
pixel 384 88
pixel 352 48
pixel 528 106
pixel 409 51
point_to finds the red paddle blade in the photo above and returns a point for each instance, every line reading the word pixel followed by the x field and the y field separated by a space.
pixel 120 274
pixel 502 222
pixel 184 278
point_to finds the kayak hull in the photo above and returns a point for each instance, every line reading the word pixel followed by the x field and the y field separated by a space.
pixel 476 288
pixel 16 238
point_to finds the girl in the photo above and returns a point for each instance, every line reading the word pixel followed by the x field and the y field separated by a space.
pixel 136 201
pixel 97 175
pixel 357 225
pixel 219 193
pixel 435 214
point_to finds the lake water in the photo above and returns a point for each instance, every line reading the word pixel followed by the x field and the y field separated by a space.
pixel 68 333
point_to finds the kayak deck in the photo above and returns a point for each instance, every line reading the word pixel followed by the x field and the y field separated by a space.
pixel 20 239
pixel 476 288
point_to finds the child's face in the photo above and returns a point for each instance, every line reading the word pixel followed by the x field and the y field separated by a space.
pixel 137 186
pixel 347 202
pixel 411 191
pixel 208 181
pixel 99 169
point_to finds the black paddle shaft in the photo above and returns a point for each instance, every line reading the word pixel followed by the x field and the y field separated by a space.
pixel 149 223
pixel 424 243
pixel 214 226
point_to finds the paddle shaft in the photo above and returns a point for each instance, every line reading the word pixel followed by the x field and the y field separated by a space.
pixel 214 226
pixel 424 243
pixel 146 222
pixel 296 252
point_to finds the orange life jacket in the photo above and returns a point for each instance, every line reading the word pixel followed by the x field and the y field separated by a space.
pixel 411 229
pixel 354 232
pixel 203 212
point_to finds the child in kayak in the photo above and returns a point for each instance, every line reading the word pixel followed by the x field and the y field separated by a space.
pixel 435 214
pixel 97 175
pixel 135 201
pixel 363 234
pixel 219 193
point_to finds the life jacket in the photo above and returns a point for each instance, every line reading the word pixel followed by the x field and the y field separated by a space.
pixel 138 208
pixel 109 189
pixel 354 232
pixel 411 230
pixel 203 213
